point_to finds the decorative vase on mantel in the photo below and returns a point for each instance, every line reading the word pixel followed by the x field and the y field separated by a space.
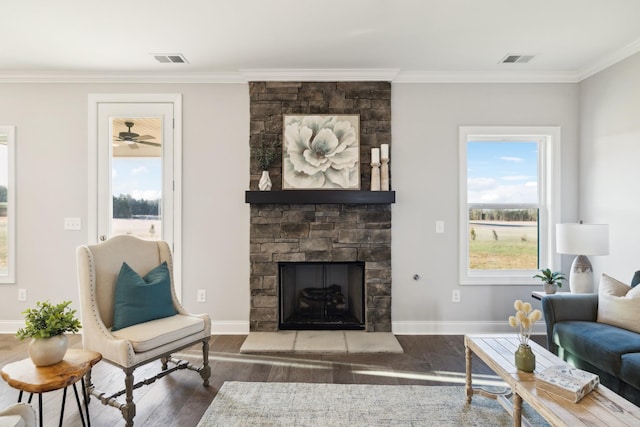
pixel 48 351
pixel 265 182
pixel 525 358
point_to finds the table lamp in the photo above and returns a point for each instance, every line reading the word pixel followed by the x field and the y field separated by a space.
pixel 582 240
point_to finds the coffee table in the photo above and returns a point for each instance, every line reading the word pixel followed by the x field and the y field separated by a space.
pixel 601 407
pixel 25 376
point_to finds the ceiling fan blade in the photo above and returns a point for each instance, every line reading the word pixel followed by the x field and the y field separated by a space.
pixel 133 145
pixel 139 138
pixel 155 144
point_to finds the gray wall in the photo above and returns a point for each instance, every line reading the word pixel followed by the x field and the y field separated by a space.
pixel 425 125
pixel 51 122
pixel 609 172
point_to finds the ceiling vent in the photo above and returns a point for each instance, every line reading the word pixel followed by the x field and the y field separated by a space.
pixel 170 58
pixel 516 59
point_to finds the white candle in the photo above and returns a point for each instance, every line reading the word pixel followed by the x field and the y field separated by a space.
pixel 375 155
pixel 384 151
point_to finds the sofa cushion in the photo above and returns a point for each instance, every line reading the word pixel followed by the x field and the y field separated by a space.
pixel 630 372
pixel 618 304
pixel 156 333
pixel 140 299
pixel 599 344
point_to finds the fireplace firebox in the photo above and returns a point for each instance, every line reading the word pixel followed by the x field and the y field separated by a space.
pixel 321 295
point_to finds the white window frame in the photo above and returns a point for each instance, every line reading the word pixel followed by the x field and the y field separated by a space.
pixel 10 133
pixel 549 186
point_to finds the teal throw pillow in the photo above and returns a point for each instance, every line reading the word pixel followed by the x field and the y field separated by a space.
pixel 140 299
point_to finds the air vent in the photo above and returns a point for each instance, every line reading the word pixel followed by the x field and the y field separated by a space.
pixel 516 59
pixel 170 58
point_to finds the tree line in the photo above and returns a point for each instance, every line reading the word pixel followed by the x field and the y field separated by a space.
pixel 503 214
pixel 125 206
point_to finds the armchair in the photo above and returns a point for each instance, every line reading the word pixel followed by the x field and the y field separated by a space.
pixel 18 414
pixel 128 348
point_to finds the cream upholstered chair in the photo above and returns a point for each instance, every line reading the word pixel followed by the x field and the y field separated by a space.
pixel 99 267
pixel 18 415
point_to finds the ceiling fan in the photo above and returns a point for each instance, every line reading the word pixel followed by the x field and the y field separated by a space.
pixel 132 139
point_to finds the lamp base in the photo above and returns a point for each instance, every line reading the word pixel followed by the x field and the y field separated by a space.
pixel 581 276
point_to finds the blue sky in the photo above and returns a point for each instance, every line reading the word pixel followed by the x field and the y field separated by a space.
pixel 499 172
pixel 140 177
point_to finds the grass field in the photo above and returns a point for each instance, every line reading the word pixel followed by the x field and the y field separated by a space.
pixel 503 245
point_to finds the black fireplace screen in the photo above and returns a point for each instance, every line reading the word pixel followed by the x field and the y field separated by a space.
pixel 318 295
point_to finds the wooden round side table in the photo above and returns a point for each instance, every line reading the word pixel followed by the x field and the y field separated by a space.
pixel 25 376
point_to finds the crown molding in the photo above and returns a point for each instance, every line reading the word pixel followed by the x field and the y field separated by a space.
pixel 319 75
pixel 131 77
pixel 609 60
pixel 486 77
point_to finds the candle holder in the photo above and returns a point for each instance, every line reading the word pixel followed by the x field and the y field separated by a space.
pixel 375 176
pixel 384 175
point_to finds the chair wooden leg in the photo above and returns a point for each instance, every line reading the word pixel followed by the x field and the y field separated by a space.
pixel 129 408
pixel 205 372
pixel 165 362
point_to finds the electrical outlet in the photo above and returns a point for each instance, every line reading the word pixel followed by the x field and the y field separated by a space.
pixel 202 295
pixel 455 295
pixel 72 223
pixel 22 294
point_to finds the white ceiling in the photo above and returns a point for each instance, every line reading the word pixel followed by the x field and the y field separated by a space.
pixel 401 40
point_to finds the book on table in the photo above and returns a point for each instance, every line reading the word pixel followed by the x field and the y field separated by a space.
pixel 567 382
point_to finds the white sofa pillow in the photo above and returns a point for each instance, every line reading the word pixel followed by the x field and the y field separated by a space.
pixel 619 304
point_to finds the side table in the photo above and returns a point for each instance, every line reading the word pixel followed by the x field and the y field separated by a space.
pixel 25 376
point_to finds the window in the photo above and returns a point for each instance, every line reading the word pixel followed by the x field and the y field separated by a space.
pixel 509 197
pixel 7 204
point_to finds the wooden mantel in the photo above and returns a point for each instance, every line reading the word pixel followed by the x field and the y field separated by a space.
pixel 355 197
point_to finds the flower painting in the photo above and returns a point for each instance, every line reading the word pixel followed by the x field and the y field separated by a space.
pixel 321 152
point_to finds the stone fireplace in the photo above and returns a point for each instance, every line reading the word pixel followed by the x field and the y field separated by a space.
pixel 323 226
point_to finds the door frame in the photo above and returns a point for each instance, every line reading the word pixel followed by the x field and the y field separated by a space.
pixel 92 180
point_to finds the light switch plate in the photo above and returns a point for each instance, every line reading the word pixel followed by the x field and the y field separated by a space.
pixel 440 226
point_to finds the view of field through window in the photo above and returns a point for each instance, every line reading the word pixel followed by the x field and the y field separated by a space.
pixel 502 196
pixel 136 181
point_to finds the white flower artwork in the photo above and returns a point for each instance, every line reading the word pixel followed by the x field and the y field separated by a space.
pixel 321 152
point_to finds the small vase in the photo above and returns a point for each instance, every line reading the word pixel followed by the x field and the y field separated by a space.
pixel 48 351
pixel 525 359
pixel 550 288
pixel 265 182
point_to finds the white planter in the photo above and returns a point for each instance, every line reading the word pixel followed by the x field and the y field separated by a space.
pixel 48 351
pixel 265 182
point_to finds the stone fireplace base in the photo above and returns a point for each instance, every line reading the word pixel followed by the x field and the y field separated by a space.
pixel 321 342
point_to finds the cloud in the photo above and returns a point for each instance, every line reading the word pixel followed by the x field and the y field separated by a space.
pixel 512 159
pixel 516 177
pixel 146 194
pixel 139 170
pixel 485 190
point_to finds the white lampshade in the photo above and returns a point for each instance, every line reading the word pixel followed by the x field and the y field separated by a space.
pixel 582 239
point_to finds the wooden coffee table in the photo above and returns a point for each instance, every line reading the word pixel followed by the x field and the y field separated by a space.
pixel 601 407
pixel 25 376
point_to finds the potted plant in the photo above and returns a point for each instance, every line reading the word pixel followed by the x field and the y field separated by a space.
pixel 550 280
pixel 46 324
pixel 265 154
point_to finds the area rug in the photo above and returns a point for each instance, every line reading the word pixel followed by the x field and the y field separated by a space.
pixel 306 404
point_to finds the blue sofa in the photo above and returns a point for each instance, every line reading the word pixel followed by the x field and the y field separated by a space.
pixel 576 337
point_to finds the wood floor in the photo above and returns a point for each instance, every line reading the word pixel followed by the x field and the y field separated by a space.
pixel 180 399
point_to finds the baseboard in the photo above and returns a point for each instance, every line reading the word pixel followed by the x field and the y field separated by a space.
pixel 241 327
pixel 10 326
pixel 231 327
pixel 457 328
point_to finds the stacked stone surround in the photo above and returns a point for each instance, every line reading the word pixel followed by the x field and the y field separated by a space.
pixel 320 232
